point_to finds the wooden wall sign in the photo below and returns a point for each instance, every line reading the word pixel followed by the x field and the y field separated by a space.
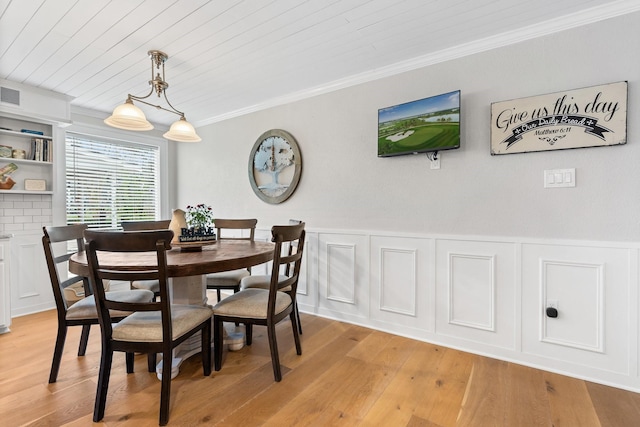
pixel 588 117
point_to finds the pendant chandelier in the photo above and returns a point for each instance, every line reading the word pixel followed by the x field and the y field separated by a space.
pixel 129 117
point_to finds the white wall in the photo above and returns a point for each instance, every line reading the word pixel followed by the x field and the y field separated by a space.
pixel 345 185
pixel 467 256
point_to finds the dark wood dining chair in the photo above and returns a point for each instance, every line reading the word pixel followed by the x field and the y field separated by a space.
pixel 154 327
pixel 231 279
pixel 82 311
pixel 151 285
pixel 256 306
pixel 263 280
pixel 162 224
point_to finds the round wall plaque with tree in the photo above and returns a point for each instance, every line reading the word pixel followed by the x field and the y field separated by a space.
pixel 275 166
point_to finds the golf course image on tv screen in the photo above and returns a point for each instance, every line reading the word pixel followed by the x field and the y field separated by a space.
pixel 425 125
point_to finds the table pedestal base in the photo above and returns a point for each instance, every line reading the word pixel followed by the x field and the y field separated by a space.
pixel 193 290
pixel 234 338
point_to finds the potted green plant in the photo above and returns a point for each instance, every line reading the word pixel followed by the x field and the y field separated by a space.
pixel 199 224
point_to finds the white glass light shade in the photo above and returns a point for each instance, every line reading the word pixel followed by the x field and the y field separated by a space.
pixel 182 131
pixel 129 117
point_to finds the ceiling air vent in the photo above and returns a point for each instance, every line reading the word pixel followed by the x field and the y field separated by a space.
pixel 10 96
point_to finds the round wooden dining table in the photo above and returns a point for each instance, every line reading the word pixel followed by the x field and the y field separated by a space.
pixel 223 255
pixel 187 270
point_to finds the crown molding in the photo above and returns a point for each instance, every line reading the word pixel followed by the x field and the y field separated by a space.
pixel 578 19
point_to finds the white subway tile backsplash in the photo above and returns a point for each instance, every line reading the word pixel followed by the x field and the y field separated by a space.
pixel 13 197
pixel 13 227
pixel 24 212
pixel 35 225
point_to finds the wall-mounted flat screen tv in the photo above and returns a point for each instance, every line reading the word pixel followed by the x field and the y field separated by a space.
pixel 421 126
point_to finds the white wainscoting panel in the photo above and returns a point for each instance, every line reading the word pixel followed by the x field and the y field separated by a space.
pixel 476 289
pixel 262 235
pixel 581 324
pixel 341 273
pixel 402 291
pixel 343 279
pixel 398 281
pixel 307 284
pixel 590 286
pixel 303 282
pixel 472 291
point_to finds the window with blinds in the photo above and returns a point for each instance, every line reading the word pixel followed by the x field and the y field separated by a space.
pixel 110 181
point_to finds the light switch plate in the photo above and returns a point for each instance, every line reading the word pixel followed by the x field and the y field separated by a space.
pixel 559 178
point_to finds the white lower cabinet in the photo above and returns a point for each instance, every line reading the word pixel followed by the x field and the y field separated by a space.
pixel 5 285
pixel 30 285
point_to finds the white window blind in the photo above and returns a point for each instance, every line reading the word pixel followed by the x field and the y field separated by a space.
pixel 110 181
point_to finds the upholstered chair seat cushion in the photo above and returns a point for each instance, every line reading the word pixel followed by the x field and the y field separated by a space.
pixel 228 279
pixel 146 326
pixel 251 303
pixel 262 282
pixel 150 285
pixel 86 307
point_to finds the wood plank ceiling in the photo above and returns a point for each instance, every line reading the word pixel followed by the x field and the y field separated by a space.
pixel 227 57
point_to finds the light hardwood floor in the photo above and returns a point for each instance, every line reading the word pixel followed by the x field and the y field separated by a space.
pixel 347 376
